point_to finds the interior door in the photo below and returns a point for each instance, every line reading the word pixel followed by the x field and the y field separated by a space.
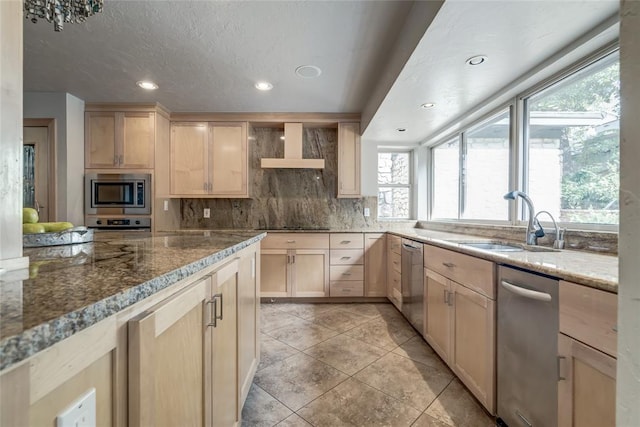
pixel 36 171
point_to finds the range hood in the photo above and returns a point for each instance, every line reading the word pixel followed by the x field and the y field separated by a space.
pixel 292 152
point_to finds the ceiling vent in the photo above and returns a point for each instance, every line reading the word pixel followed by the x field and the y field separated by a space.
pixel 292 152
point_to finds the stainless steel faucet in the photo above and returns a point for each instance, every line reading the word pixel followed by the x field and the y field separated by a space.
pixel 533 226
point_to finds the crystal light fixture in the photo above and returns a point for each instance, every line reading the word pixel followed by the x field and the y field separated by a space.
pixel 61 11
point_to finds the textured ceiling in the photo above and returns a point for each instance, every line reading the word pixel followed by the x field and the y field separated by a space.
pixel 207 55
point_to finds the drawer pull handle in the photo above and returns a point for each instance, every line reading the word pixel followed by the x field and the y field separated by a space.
pixel 291 241
pixel 615 328
pixel 346 274
pixel 448 264
pixel 345 242
pixel 346 257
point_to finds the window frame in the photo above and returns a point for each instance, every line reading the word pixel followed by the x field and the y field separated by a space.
pixel 409 186
pixel 518 164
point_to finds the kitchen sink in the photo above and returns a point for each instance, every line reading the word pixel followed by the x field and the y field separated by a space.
pixel 497 246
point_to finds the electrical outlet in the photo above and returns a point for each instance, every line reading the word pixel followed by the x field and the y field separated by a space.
pixel 367 212
pixel 166 205
pixel 207 213
pixel 81 413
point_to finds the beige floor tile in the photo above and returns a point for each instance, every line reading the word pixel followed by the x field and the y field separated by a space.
pixel 410 382
pixel 339 320
pixel 383 333
pixel 456 406
pixel 346 354
pixel 302 334
pixel 353 403
pixel 428 421
pixel 306 311
pixel 417 349
pixel 272 351
pixel 298 380
pixel 271 320
pixel 262 410
pixel 370 310
pixel 293 421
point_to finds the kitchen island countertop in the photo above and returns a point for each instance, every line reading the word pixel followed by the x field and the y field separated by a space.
pixel 75 286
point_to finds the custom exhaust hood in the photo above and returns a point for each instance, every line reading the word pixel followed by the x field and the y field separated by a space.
pixel 292 152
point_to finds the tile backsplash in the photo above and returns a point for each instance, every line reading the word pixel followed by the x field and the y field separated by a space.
pixel 304 198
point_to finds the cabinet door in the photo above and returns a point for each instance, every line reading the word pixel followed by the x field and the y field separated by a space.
pixel 587 386
pixel 248 328
pixel 100 140
pixel 189 164
pixel 275 280
pixel 473 352
pixel 438 330
pixel 137 149
pixel 375 265
pixel 349 160
pixel 228 162
pixel 310 272
pixel 167 368
pixel 224 356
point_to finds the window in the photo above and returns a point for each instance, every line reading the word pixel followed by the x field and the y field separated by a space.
pixel 481 165
pixel 394 185
pixel 572 145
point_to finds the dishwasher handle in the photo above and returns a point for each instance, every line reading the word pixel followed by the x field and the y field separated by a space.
pixel 527 293
pixel 411 248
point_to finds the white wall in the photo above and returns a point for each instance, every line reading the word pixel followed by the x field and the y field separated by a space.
pixel 69 114
pixel 628 384
pixel 369 169
pixel 11 20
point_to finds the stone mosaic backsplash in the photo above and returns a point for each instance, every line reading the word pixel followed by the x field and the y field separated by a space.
pixel 293 198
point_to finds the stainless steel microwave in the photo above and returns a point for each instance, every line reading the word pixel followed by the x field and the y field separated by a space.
pixel 126 194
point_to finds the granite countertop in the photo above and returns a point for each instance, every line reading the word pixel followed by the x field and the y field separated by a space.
pixel 75 286
pixel 586 268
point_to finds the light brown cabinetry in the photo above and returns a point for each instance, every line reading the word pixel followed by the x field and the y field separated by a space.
pixel 460 318
pixel 586 345
pixel 349 160
pixel 394 270
pixel 248 322
pixel 295 265
pixel 116 139
pixel 375 264
pixel 209 159
pixel 347 265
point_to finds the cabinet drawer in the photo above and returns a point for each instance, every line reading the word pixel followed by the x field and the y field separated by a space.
pixel 346 241
pixel 589 315
pixel 394 280
pixel 395 244
pixel 346 272
pixel 349 288
pixel 295 241
pixel 346 256
pixel 396 262
pixel 475 273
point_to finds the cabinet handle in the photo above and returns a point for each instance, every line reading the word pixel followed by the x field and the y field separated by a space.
pixel 448 264
pixel 560 361
pixel 115 160
pixel 345 242
pixel 345 258
pixel 294 259
pixel 346 274
pixel 450 299
pixel 288 259
pixel 204 186
pixel 615 328
pixel 221 305
pixel 291 241
pixel 214 314
pixel 210 187
pixel 120 159
pixel 446 297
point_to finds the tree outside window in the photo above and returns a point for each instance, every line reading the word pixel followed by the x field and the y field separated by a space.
pixel 394 185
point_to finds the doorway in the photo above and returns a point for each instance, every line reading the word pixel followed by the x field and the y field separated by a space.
pixel 39 167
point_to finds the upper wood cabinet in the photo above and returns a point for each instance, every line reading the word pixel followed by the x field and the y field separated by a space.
pixel 122 140
pixel 349 160
pixel 209 159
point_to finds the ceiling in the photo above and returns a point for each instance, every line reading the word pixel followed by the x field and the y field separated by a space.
pixel 380 58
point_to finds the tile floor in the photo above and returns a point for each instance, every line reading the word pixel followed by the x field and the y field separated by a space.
pixel 352 365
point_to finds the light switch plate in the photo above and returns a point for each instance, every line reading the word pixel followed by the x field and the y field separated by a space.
pixel 81 413
pixel 166 205
pixel 207 213
pixel 367 212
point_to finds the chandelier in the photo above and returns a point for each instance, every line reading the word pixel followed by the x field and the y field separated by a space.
pixel 61 11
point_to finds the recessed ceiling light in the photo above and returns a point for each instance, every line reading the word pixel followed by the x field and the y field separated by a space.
pixel 401 129
pixel 477 60
pixel 427 105
pixel 148 85
pixel 308 71
pixel 264 86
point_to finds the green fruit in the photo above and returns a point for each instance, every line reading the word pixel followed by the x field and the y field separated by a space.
pixel 52 227
pixel 29 216
pixel 32 228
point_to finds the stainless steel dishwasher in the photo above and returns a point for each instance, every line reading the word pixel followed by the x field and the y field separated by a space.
pixel 527 349
pixel 412 281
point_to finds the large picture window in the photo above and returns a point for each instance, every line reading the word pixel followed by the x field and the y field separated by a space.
pixel 394 185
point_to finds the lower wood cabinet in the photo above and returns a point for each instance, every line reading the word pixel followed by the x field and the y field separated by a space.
pixel 295 273
pixel 394 270
pixel 460 326
pixel 375 265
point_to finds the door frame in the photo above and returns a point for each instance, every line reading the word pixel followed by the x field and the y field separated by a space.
pixel 50 124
